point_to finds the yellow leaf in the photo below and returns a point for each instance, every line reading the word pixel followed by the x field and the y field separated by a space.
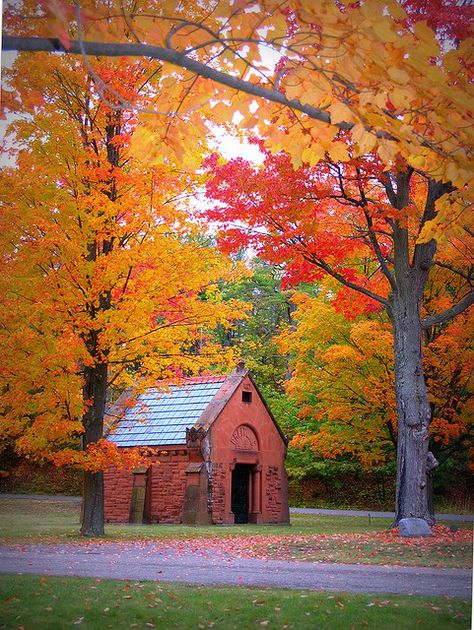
pixel 427 233
pixel 293 88
pixel 150 30
pixel 373 98
pixel 309 14
pixel 399 76
pixel 249 123
pixel 323 134
pixel 313 154
pixel 418 161
pixel 220 113
pixel 383 28
pixel 452 171
pixel 338 152
pixel 401 97
pixel 357 131
pixel 279 26
pixel 387 150
pixel 427 36
pixel 451 61
pixel 397 11
pixel 365 140
pixel 295 151
pixel 340 113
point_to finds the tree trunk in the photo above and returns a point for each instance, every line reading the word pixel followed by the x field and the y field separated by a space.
pixel 95 388
pixel 414 412
pixel 415 463
pixel 93 504
pixel 95 377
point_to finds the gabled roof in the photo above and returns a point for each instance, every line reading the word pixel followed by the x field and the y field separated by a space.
pixel 161 417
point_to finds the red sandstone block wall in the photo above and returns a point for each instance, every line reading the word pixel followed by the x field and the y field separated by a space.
pixel 118 485
pixel 167 487
pixel 268 453
pixel 165 490
pixel 218 493
pixel 273 494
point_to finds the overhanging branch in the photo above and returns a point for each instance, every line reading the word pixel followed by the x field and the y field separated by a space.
pixel 103 49
pixel 466 275
pixel 322 264
pixel 445 316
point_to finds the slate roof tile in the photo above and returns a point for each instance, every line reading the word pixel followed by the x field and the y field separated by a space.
pixel 160 418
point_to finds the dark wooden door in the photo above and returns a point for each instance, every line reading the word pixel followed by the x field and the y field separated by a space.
pixel 137 508
pixel 240 493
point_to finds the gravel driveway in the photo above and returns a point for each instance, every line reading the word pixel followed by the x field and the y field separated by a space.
pixel 149 561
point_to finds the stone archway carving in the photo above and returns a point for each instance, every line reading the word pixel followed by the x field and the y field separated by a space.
pixel 244 439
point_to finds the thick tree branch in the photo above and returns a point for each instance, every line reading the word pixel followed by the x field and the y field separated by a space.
pixel 424 252
pixel 467 276
pixel 386 181
pixel 103 49
pixel 445 316
pixel 380 257
pixel 317 262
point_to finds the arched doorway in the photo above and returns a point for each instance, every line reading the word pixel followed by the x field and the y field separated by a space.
pixel 240 502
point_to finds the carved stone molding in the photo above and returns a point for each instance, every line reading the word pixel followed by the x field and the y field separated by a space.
pixel 194 438
pixel 244 439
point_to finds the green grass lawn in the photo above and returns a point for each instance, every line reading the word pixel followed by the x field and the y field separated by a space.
pixel 43 603
pixel 34 520
pixel 36 603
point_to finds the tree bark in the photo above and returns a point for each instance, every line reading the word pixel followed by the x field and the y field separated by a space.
pixel 414 414
pixel 92 523
pixel 95 388
pixel 95 377
pixel 414 460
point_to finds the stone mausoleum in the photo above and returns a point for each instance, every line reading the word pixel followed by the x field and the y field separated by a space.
pixel 220 456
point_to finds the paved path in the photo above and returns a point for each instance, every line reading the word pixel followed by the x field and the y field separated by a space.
pixel 462 518
pixel 151 561
pixel 40 497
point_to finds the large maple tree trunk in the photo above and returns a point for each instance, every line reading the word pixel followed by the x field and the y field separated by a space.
pixel 414 414
pixel 95 377
pixel 95 388
pixel 415 463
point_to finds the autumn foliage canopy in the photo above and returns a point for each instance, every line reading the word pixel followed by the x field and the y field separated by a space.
pixel 100 263
pixel 363 113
